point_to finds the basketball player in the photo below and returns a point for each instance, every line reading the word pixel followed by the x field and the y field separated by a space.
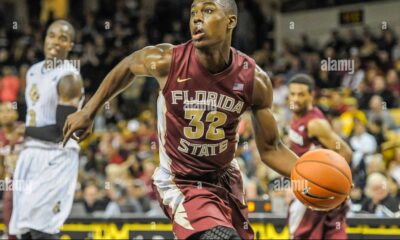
pixel 205 87
pixel 308 130
pixel 11 140
pixel 48 171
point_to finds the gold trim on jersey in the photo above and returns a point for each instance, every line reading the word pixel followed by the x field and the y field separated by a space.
pixel 34 93
pixel 34 96
pixel 32 118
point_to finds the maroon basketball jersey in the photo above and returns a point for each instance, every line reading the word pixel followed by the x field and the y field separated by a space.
pixel 298 133
pixel 198 112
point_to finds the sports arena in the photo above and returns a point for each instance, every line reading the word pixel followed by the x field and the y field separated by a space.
pixel 199 119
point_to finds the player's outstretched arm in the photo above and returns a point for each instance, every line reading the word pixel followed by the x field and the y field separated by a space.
pixel 153 61
pixel 272 151
pixel 322 130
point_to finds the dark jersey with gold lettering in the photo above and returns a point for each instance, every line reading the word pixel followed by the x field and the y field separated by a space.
pixel 198 112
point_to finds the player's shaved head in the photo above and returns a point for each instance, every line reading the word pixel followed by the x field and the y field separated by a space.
pixel 59 40
pixel 229 6
pixel 66 26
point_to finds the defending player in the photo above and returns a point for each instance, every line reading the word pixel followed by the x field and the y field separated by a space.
pixel 310 129
pixel 205 87
pixel 48 171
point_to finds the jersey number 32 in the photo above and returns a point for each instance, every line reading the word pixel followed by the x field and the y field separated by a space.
pixel 196 127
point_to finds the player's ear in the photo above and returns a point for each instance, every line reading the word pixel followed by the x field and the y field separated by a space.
pixel 232 21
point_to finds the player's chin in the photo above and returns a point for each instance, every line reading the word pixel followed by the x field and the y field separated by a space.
pixel 202 43
pixel 199 44
pixel 50 56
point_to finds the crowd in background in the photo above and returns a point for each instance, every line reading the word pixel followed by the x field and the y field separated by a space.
pixel 118 160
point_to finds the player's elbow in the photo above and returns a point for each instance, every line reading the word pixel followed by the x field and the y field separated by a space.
pixel 278 157
pixel 269 151
pixel 270 146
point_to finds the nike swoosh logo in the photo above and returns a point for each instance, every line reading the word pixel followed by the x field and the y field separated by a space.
pixel 179 80
pixel 306 191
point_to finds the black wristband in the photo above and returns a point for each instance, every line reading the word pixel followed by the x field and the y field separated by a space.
pixel 50 133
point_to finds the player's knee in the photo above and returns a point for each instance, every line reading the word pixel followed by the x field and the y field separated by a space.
pixel 219 232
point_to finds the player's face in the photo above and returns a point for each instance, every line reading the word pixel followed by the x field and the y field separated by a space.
pixel 8 114
pixel 209 24
pixel 58 42
pixel 300 98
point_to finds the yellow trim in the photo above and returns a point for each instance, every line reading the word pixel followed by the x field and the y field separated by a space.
pixel 265 231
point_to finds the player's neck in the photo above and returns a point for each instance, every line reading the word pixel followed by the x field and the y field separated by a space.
pixel 215 60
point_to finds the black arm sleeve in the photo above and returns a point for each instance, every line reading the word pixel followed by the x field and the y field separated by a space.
pixel 52 133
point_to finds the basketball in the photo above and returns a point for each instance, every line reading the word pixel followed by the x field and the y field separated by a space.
pixel 321 179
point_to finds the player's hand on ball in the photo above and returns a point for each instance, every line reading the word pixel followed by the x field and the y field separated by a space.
pixel 78 126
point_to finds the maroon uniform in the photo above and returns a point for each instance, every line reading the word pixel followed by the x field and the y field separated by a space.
pixel 198 183
pixel 305 223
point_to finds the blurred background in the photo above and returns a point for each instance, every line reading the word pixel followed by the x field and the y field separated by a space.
pixel 285 37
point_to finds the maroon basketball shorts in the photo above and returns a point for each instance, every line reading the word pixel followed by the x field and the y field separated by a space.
pixel 200 203
pixel 305 223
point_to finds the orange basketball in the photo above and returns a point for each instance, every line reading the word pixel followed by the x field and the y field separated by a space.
pixel 321 179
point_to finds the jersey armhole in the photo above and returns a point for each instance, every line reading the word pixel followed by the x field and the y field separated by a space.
pixel 171 70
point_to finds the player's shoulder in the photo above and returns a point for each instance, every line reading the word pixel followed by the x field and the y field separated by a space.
pixel 241 54
pixel 35 68
pixel 162 48
pixel 317 125
pixel 244 60
pixel 262 89
pixel 261 78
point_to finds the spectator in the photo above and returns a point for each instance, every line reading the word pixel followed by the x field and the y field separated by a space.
pixel 379 88
pixel 281 91
pixel 379 201
pixel 376 129
pixel 393 186
pixel 393 83
pixel 92 201
pixel 362 143
pixel 348 119
pixel 378 111
pixel 9 86
pixel 353 80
